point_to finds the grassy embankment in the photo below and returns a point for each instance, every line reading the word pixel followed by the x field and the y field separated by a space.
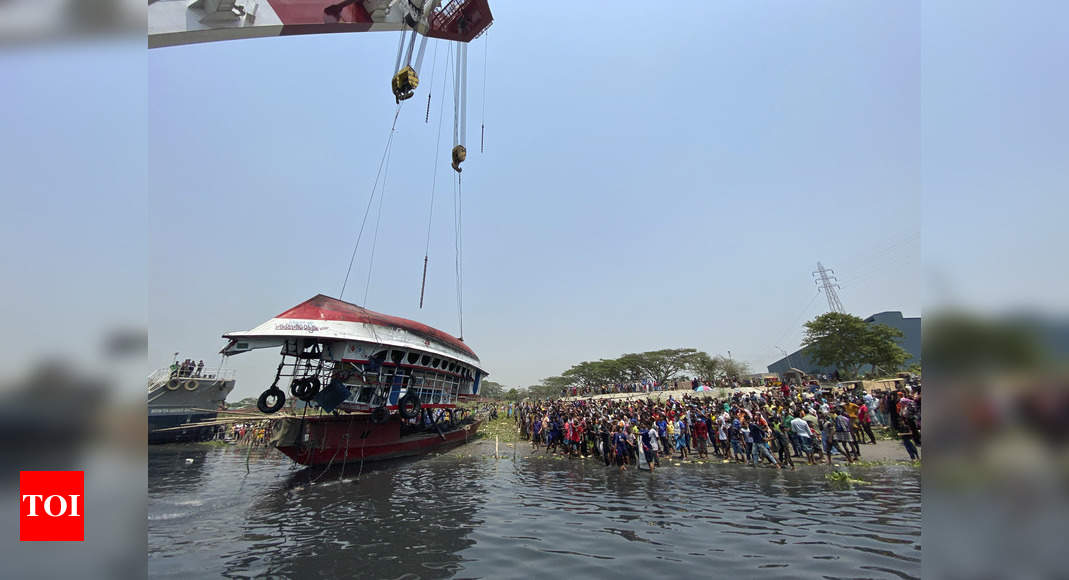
pixel 503 428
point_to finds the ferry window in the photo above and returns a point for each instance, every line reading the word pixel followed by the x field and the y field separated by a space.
pixel 365 395
pixel 452 367
pixel 413 357
pixel 397 355
pixel 426 360
pixel 436 362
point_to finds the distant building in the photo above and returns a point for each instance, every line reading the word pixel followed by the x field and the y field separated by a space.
pixel 910 341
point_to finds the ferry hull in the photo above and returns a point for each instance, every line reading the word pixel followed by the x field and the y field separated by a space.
pixel 334 440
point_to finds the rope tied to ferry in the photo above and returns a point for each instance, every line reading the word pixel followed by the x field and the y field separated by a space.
pixel 371 200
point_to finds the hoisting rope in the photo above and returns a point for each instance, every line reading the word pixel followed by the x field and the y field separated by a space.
pixel 460 107
pixel 456 98
pixel 367 211
pixel 482 121
pixel 458 212
pixel 434 181
pixel 378 220
pixel 400 48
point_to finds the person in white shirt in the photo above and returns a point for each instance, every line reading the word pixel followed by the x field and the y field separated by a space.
pixel 801 428
pixel 654 446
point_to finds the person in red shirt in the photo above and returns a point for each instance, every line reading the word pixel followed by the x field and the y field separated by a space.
pixel 701 435
pixel 865 420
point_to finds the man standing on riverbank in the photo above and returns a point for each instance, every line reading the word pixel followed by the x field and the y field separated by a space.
pixel 701 436
pixel 619 441
pixel 649 446
pixel 800 429
pixel 779 432
pixel 864 418
pixel 760 447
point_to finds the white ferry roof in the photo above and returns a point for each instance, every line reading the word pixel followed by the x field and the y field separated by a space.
pixel 331 319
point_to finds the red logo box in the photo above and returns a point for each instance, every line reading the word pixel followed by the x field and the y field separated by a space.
pixel 51 506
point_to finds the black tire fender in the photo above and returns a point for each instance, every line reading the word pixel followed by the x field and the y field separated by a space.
pixel 409 405
pixel 279 398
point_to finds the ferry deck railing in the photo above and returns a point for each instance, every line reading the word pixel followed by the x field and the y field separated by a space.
pixel 161 376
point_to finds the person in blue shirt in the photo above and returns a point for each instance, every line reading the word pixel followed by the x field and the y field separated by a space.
pixel 681 438
pixel 619 442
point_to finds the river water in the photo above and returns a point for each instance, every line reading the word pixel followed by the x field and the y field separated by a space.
pixel 466 514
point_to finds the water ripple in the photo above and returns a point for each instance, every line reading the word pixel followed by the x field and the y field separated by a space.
pixel 454 516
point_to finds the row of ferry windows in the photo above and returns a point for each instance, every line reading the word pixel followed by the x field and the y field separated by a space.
pixel 422 378
pixel 431 387
pixel 425 360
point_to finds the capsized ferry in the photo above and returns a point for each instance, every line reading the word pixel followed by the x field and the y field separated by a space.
pixel 372 386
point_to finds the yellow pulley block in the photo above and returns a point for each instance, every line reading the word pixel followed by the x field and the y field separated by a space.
pixel 459 155
pixel 404 83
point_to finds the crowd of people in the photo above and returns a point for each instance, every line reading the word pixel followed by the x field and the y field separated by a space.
pixel 247 433
pixel 773 426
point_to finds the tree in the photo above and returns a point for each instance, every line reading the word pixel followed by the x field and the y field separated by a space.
pixel 662 365
pixel 733 368
pixel 836 340
pixel 882 351
pixel 244 403
pixel 491 390
pixel 589 374
pixel 847 342
pixel 706 367
pixel 716 368
pixel 550 388
pixel 630 368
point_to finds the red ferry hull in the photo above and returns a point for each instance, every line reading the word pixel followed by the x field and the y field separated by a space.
pixel 342 439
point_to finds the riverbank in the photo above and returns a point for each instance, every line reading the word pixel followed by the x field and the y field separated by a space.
pixel 501 438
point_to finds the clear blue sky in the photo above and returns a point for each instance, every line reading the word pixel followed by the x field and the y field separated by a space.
pixel 645 184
